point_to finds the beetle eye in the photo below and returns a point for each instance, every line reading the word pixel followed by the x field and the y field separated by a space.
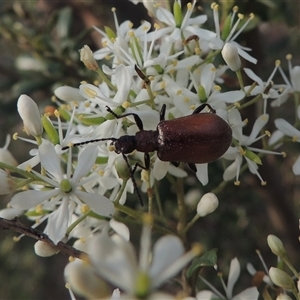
pixel 112 147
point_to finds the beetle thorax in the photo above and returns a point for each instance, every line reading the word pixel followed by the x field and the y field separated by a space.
pixel 146 140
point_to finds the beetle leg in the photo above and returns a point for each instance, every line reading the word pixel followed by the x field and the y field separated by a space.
pixel 192 167
pixel 142 75
pixel 162 112
pixel 201 107
pixel 147 163
pixel 137 119
pixel 175 163
pixel 132 178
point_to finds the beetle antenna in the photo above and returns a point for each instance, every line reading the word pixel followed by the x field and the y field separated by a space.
pixel 133 179
pixel 88 142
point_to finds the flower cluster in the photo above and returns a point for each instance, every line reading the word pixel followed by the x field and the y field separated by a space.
pixel 170 67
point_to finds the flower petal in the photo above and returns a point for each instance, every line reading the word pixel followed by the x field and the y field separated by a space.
pixel 123 85
pixel 160 169
pixel 234 273
pixel 85 162
pixel 58 222
pixel 247 294
pixel 287 128
pixel 115 260
pixel 253 76
pixel 166 251
pixel 50 160
pixel 296 166
pixel 202 173
pixel 30 199
pixel 97 203
pixel 120 228
pixel 260 122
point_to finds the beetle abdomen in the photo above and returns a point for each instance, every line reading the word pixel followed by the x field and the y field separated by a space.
pixel 198 138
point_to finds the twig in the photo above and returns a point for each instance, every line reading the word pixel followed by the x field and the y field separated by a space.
pixel 16 226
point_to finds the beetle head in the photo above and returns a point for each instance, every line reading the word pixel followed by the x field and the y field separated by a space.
pixel 125 144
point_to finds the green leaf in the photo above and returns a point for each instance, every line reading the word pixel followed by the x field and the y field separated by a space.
pixel 209 259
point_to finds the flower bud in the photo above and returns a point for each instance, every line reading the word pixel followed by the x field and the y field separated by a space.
pixel 82 279
pixel 282 279
pixel 44 249
pixel 283 297
pixel 87 57
pixel 7 185
pixel 29 112
pixel 231 56
pixel 68 94
pixel 208 203
pixel 6 156
pixel 122 168
pixel 10 213
pixel 276 245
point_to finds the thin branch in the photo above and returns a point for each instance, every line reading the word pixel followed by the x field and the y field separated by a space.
pixel 16 226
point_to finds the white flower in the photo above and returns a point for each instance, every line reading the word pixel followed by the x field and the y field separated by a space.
pixel 101 95
pixel 114 259
pixel 263 88
pixel 188 26
pixel 292 84
pixel 292 132
pixel 30 115
pixel 218 43
pixel 65 192
pixel 244 149
pixel 234 272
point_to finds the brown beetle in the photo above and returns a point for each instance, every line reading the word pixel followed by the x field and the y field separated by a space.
pixel 194 139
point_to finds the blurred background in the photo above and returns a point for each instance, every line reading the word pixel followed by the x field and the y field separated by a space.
pixel 39 43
